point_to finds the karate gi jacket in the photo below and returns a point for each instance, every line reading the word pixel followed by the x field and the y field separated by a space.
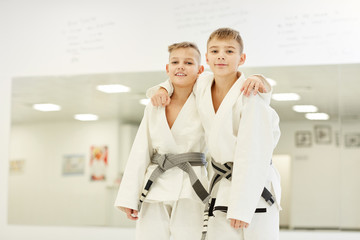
pixel 245 131
pixel 154 134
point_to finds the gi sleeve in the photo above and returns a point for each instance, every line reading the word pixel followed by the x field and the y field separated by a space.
pixel 139 159
pixel 167 85
pixel 198 86
pixel 254 149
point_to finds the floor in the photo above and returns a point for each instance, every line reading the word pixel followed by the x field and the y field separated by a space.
pixel 318 235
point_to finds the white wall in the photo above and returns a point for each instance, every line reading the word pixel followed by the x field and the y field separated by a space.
pixel 71 199
pixel 67 37
pixel 66 200
pixel 283 165
pixel 350 181
pixel 324 178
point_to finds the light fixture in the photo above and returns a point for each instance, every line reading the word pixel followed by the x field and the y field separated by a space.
pixel 286 96
pixel 113 88
pixel 317 116
pixel 272 82
pixel 305 108
pixel 144 101
pixel 46 107
pixel 86 117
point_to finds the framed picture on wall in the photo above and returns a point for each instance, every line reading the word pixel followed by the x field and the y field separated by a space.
pixel 303 139
pixel 323 134
pixel 352 140
pixel 17 166
pixel 98 162
pixel 73 164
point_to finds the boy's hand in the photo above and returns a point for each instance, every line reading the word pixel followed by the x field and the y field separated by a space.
pixel 161 98
pixel 238 223
pixel 130 213
pixel 253 83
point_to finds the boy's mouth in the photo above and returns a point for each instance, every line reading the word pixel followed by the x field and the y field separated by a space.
pixel 221 65
pixel 180 74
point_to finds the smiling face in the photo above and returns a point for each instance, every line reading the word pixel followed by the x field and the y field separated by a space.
pixel 184 67
pixel 224 56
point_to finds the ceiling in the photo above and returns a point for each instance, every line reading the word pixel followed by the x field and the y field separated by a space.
pixel 332 88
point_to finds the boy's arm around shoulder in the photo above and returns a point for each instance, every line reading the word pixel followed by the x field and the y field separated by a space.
pixel 137 163
pixel 167 85
pixel 161 93
pixel 257 84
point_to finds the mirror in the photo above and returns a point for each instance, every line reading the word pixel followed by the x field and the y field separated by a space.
pixel 317 159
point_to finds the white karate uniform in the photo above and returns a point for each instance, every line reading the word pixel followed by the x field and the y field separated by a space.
pixel 245 131
pixel 171 200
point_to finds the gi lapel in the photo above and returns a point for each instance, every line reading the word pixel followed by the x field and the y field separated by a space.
pixel 223 117
pixel 180 122
pixel 167 132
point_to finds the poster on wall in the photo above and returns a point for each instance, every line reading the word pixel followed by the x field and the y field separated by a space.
pixel 352 140
pixel 98 162
pixel 73 164
pixel 323 134
pixel 17 166
pixel 303 139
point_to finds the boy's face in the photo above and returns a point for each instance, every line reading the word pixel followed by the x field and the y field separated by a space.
pixel 183 68
pixel 223 56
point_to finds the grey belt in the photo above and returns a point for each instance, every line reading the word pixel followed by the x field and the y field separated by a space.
pixel 225 171
pixel 183 161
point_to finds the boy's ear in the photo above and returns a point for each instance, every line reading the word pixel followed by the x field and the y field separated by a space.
pixel 206 56
pixel 167 68
pixel 242 59
pixel 201 69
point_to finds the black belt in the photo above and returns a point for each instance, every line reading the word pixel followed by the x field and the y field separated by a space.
pixel 225 171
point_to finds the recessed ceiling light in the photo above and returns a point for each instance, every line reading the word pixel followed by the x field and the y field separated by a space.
pixel 305 108
pixel 113 88
pixel 286 96
pixel 86 117
pixel 46 107
pixel 144 101
pixel 272 82
pixel 317 116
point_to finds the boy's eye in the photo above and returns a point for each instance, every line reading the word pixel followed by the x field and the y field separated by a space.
pixel 189 63
pixel 214 51
pixel 174 62
pixel 229 51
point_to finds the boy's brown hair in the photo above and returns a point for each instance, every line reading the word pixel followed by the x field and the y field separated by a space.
pixel 227 33
pixel 176 46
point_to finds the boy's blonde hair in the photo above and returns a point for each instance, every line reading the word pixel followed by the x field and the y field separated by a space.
pixel 227 33
pixel 176 46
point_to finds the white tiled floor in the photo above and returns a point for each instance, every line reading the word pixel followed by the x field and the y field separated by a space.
pixel 59 233
pixel 318 235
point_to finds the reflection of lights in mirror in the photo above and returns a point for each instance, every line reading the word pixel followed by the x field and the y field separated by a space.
pixel 317 116
pixel 46 107
pixel 271 81
pixel 144 101
pixel 286 97
pixel 86 117
pixel 113 88
pixel 305 108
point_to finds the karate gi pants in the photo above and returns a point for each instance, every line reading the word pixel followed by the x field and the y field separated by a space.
pixel 263 226
pixel 175 220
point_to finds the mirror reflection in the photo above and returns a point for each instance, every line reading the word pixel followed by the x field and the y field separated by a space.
pixel 66 171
